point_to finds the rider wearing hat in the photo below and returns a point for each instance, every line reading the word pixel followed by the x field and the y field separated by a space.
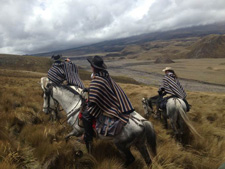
pixel 64 72
pixel 172 88
pixel 105 96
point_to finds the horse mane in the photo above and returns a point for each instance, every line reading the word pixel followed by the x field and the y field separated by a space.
pixel 154 98
pixel 66 87
pixel 46 83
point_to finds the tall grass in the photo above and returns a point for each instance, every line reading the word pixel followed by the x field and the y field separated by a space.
pixel 29 140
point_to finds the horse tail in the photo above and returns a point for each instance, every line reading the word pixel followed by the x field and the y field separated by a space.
pixel 151 136
pixel 186 119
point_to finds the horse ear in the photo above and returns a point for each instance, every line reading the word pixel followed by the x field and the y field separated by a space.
pixel 42 86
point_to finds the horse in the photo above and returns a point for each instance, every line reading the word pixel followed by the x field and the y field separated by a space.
pixel 176 113
pixel 138 131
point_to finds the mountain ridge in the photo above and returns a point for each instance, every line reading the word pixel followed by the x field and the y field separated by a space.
pixel 118 45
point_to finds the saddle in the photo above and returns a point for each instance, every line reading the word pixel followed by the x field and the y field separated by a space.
pixel 163 101
pixel 105 125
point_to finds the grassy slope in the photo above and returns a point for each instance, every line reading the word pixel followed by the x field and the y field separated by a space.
pixel 29 140
pixel 206 70
pixel 40 66
pixel 211 46
pixel 29 63
pixel 174 49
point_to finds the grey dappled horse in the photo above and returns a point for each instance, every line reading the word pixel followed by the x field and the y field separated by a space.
pixel 176 113
pixel 138 131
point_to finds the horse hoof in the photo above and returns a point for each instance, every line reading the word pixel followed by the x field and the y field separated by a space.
pixel 79 154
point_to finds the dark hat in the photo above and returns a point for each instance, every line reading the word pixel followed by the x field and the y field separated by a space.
pixel 97 62
pixel 56 57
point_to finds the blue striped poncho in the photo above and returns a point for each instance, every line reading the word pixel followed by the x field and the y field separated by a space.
pixel 108 97
pixel 68 71
pixel 172 86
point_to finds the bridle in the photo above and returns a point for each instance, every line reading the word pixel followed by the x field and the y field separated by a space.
pixel 49 94
pixel 153 101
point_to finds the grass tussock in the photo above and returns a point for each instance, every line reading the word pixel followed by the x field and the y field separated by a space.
pixel 29 140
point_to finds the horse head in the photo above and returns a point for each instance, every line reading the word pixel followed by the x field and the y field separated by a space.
pixel 147 106
pixel 48 104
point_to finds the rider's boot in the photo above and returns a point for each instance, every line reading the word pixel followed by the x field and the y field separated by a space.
pixel 88 137
pixel 89 146
pixel 164 121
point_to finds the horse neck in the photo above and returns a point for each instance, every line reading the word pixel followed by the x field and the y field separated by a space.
pixel 66 99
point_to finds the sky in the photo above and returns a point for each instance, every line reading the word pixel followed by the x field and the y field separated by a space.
pixel 36 26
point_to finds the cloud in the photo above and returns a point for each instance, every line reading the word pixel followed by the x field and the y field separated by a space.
pixel 35 26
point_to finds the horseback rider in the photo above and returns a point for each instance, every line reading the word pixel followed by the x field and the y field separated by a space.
pixel 172 88
pixel 64 72
pixel 105 96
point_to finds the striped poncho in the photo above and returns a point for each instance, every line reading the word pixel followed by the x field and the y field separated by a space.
pixel 72 74
pixel 68 71
pixel 172 86
pixel 108 97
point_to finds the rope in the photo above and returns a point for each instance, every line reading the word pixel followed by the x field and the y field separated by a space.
pixel 72 113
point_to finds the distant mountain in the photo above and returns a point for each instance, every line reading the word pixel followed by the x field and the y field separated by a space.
pixel 211 46
pixel 120 44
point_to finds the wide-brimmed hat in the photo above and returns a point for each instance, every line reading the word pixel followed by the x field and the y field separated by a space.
pixel 97 62
pixel 167 69
pixel 56 57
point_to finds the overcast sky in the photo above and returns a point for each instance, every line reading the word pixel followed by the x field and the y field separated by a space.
pixel 35 26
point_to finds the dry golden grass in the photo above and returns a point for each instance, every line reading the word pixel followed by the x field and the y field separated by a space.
pixel 30 63
pixel 205 70
pixel 29 140
pixel 174 49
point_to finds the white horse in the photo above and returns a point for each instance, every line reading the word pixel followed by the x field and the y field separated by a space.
pixel 138 131
pixel 176 113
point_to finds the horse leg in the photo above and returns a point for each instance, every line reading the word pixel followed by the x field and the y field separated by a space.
pixel 141 146
pixel 126 152
pixel 68 136
pixel 174 127
pixel 51 116
pixel 74 132
pixel 56 115
pixel 182 131
pixel 165 123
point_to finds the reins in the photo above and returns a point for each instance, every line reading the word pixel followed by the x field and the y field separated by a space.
pixel 72 113
pixel 49 93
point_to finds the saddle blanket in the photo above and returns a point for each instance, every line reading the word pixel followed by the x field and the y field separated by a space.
pixel 108 126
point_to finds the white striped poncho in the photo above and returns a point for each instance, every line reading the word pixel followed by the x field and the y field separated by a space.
pixel 172 86
pixel 108 97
